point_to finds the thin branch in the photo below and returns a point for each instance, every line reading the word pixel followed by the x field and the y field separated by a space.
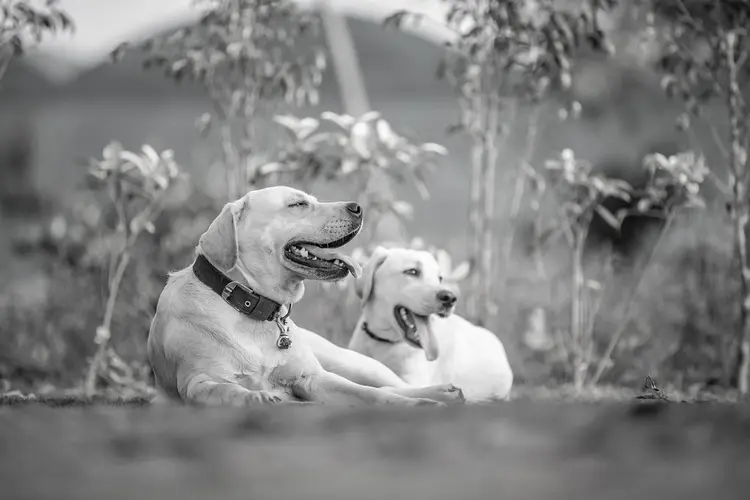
pixel 96 362
pixel 615 339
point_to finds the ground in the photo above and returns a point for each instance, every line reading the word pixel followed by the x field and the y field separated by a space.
pixel 523 449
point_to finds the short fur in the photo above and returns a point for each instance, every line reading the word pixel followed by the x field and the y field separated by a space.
pixel 464 354
pixel 204 351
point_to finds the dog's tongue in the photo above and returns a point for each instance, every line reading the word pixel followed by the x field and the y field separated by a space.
pixel 331 254
pixel 427 336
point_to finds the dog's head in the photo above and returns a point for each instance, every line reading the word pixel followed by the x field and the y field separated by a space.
pixel 402 291
pixel 278 236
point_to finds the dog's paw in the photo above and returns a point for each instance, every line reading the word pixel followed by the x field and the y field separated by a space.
pixel 262 397
pixel 446 393
pixel 427 402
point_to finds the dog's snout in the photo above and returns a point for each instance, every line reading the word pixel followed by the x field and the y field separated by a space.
pixel 354 209
pixel 447 298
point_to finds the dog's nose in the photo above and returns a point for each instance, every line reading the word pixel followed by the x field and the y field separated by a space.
pixel 446 298
pixel 354 209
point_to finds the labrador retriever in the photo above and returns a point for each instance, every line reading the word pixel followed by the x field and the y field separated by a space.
pixel 221 333
pixel 407 323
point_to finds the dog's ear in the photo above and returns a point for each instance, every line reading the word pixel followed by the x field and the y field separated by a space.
pixel 363 285
pixel 219 242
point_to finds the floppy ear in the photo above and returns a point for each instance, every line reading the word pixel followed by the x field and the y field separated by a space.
pixel 219 242
pixel 363 285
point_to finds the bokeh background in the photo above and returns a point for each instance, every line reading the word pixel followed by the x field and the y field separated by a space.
pixel 64 102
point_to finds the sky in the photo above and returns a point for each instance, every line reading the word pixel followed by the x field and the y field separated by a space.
pixel 101 25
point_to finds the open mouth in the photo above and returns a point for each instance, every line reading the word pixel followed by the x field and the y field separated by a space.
pixel 320 261
pixel 407 320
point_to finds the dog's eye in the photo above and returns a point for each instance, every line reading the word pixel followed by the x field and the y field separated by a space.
pixel 440 278
pixel 298 204
pixel 412 272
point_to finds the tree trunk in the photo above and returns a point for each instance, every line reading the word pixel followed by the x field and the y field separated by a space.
pixel 475 220
pixel 738 162
pixel 487 251
pixel 345 61
pixel 519 192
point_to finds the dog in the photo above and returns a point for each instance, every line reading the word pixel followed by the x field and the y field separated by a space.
pixel 407 323
pixel 221 332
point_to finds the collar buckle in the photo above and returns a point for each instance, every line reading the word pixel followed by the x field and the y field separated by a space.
pixel 230 288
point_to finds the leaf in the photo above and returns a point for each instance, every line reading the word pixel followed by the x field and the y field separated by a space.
pixel 151 154
pixel 593 284
pixel 344 121
pixel 203 124
pixel 370 116
pixel 349 165
pixel 306 127
pixel 456 128
pixel 360 133
pixel 421 185
pixel 117 54
pixel 386 134
pixel 137 161
pixel 431 147
pixel 608 217
pixel 270 167
pixel 112 150
pixel 402 208
pixel 300 129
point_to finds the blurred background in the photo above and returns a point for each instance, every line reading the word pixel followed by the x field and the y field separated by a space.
pixel 673 309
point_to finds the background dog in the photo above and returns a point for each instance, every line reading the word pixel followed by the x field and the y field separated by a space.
pixel 233 344
pixel 407 323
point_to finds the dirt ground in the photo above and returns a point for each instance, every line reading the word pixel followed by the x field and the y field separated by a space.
pixel 521 449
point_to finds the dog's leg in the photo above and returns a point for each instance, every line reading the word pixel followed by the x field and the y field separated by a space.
pixel 202 389
pixel 446 393
pixel 330 388
pixel 349 364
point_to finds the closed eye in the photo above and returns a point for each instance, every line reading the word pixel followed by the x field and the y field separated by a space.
pixel 299 204
pixel 412 272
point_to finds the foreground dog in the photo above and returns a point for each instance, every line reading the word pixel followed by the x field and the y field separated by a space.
pixel 408 325
pixel 221 332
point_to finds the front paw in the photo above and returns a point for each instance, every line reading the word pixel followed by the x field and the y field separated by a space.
pixel 446 393
pixel 261 397
pixel 426 402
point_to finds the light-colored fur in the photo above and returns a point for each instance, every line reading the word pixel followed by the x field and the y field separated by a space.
pixel 464 354
pixel 204 351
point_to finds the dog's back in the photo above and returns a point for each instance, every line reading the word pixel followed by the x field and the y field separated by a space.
pixel 474 359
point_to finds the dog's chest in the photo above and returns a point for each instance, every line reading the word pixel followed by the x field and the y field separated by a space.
pixel 261 359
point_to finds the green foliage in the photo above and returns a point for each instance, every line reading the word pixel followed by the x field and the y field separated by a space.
pixel 341 148
pixel 251 56
pixel 578 195
pixel 517 49
pixel 581 194
pixel 674 182
pixel 706 46
pixel 23 22
pixel 137 185
pixel 693 37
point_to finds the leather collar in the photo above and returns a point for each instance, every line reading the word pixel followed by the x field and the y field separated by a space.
pixel 370 334
pixel 237 295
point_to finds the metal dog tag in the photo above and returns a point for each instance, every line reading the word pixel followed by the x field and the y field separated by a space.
pixel 284 341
